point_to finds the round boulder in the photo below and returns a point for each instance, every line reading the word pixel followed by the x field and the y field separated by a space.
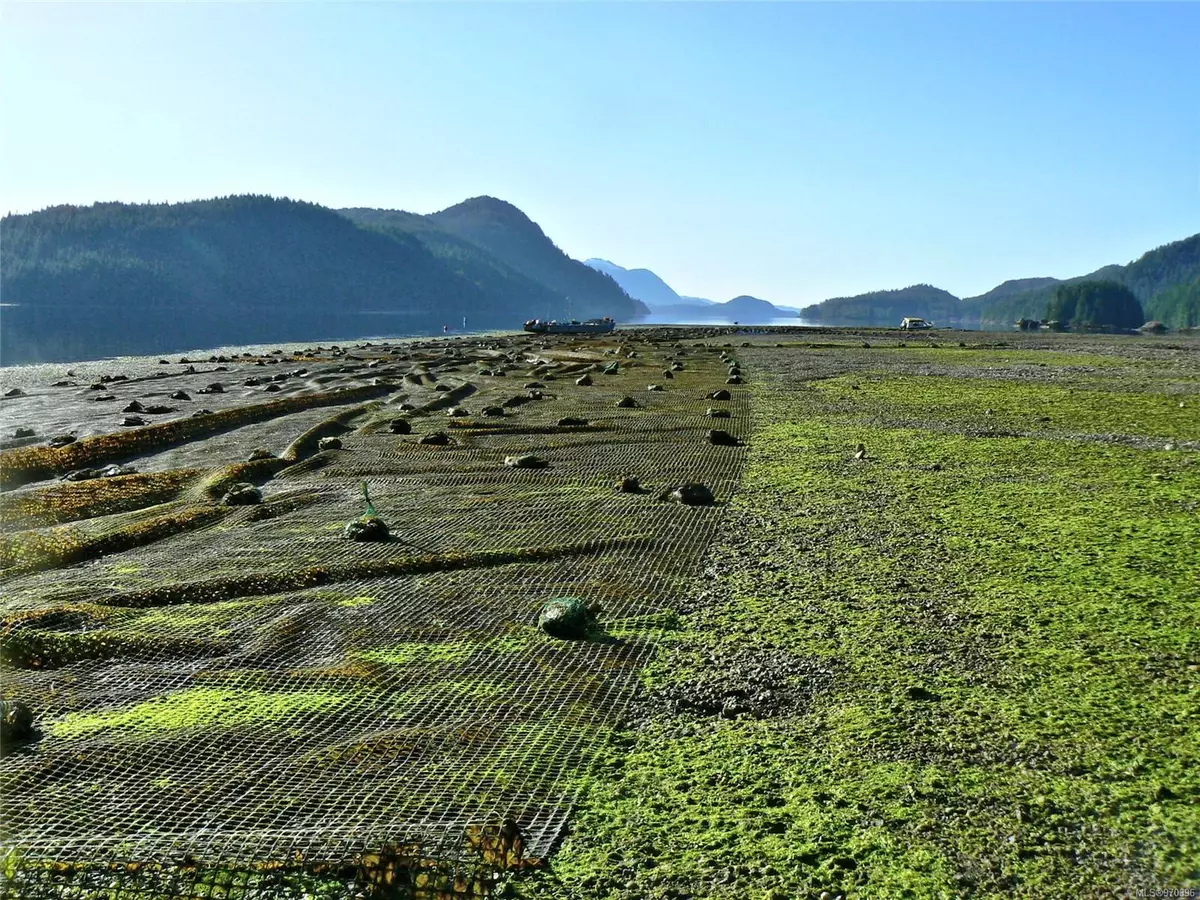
pixel 400 426
pixel 16 722
pixel 242 494
pixel 437 439
pixel 722 394
pixel 627 403
pixel 692 494
pixel 722 438
pixel 567 617
pixel 368 528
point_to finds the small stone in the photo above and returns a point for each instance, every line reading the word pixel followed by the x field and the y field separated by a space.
pixel 584 381
pixel 667 373
pixel 567 617
pixel 270 389
pixel 734 379
pixel 714 413
pixel 437 439
pixel 722 394
pixel 24 433
pixel 627 403
pixel 134 407
pixel 493 411
pixel 860 452
pixel 132 421
pixel 457 412
pixel 14 392
pixel 571 422
pixel 215 388
pixel 180 395
pixel 655 387
pixel 329 443
pixel 260 453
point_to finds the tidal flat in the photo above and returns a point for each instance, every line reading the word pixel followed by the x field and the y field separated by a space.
pixel 937 633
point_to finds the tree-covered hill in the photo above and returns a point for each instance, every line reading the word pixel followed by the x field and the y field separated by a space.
pixel 85 281
pixel 508 234
pixel 887 308
pixel 1157 278
pixel 1163 280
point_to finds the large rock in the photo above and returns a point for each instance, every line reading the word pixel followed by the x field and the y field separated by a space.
pixel 368 528
pixel 525 461
pixel 692 494
pixel 567 617
pixel 627 403
pixel 16 722
pixel 722 394
pixel 400 426
pixel 242 494
pixel 722 438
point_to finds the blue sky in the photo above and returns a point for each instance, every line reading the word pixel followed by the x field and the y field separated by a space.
pixel 793 151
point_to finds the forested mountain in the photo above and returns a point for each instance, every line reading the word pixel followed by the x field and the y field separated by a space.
pixel 1155 278
pixel 887 308
pixel 1166 281
pixel 114 278
pixel 492 242
pixel 508 234
pixel 665 304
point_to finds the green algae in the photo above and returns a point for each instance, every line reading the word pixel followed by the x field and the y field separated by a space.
pixel 198 708
pixel 1014 631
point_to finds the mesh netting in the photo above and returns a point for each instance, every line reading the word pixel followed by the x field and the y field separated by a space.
pixel 249 704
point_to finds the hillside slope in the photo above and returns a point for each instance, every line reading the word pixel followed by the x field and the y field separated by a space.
pixel 508 234
pixel 117 278
pixel 641 284
pixel 887 308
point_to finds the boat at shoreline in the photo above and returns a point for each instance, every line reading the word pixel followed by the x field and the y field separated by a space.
pixel 591 326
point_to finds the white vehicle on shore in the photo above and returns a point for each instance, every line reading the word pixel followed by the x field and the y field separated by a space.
pixel 913 323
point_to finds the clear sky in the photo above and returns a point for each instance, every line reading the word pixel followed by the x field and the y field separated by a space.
pixel 793 151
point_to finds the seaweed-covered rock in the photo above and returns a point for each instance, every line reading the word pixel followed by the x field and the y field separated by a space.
pixel 16 722
pixel 722 438
pixel 584 380
pixel 242 494
pixel 722 394
pixel 691 494
pixel 437 439
pixel 368 528
pixel 567 617
pixel 629 484
pixel 260 453
pixel 329 443
pixel 627 403
pixel 571 422
pixel 525 461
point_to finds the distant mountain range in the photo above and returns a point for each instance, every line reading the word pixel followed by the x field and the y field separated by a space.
pixel 665 303
pixel 115 278
pixel 1166 280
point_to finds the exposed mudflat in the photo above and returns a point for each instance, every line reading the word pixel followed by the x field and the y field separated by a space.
pixel 936 634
